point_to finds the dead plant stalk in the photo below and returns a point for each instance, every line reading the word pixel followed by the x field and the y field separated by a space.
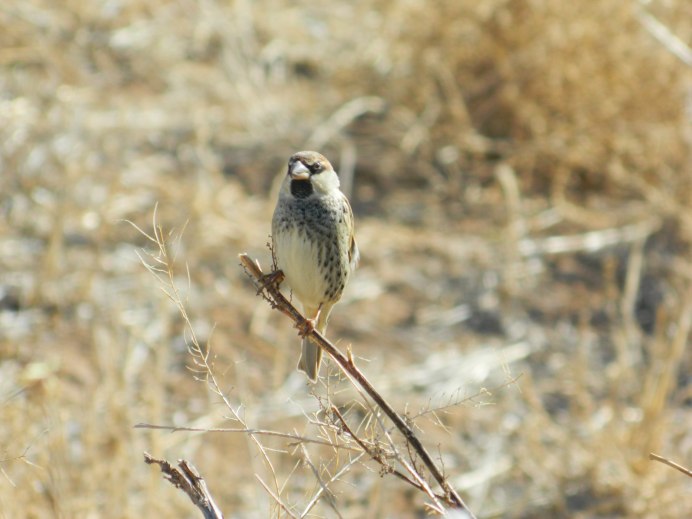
pixel 268 288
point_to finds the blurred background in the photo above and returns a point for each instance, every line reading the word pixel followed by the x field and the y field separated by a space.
pixel 521 176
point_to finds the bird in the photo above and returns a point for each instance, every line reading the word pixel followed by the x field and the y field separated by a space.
pixel 313 244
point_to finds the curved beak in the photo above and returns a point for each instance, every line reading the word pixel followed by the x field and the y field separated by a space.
pixel 298 171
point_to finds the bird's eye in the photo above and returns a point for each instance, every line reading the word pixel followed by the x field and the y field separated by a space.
pixel 316 167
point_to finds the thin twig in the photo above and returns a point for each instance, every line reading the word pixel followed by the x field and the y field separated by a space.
pixel 335 477
pixel 670 463
pixel 379 458
pixel 454 402
pixel 271 292
pixel 276 498
pixel 161 266
pixel 264 432
pixel 324 488
pixel 665 36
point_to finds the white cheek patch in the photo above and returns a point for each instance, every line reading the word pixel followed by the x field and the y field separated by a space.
pixel 325 182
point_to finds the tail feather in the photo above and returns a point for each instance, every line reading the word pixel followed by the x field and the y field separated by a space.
pixel 310 359
pixel 311 355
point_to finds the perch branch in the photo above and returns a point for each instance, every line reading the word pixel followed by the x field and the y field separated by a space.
pixel 268 287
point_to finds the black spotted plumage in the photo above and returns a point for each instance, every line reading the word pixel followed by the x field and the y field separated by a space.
pixel 313 241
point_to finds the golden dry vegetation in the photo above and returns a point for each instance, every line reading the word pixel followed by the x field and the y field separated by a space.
pixel 521 174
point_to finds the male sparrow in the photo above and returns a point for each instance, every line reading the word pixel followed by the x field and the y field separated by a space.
pixel 313 243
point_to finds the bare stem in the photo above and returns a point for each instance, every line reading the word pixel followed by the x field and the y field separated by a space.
pixel 670 463
pixel 268 287
pixel 379 458
pixel 189 481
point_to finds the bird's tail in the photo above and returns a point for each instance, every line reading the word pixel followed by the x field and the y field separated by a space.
pixel 311 356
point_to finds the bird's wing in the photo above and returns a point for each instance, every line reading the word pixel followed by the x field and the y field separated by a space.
pixel 353 252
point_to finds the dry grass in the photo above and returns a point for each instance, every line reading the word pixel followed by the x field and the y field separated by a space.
pixel 520 172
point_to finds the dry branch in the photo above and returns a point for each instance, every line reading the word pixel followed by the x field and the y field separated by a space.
pixel 161 266
pixel 268 287
pixel 377 456
pixel 189 481
pixel 670 463
pixel 260 432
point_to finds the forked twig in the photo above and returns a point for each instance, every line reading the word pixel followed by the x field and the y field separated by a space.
pixel 269 289
pixel 161 266
pixel 324 486
pixel 377 456
pixel 275 497
pixel 189 481
pixel 335 477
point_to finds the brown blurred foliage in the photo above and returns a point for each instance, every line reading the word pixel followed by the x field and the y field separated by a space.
pixel 521 176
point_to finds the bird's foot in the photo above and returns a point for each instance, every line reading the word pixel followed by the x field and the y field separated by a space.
pixel 306 327
pixel 273 278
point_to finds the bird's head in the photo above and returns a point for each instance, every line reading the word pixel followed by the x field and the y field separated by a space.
pixel 310 173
